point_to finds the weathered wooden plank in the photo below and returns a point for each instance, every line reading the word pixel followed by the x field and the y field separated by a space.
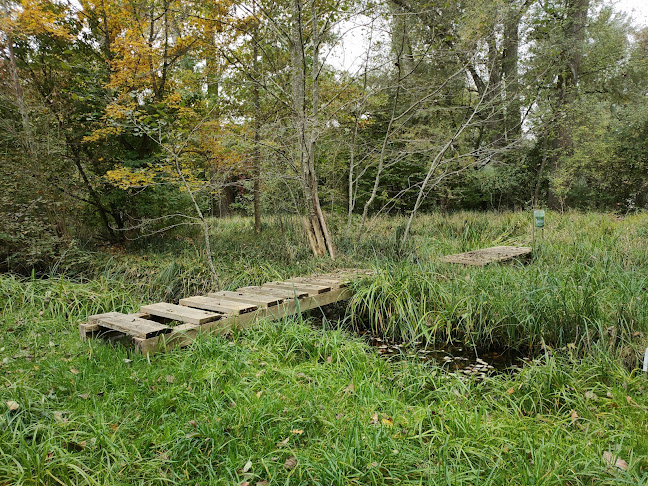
pixel 92 326
pixel 324 281
pixel 217 304
pixel 180 313
pixel 132 325
pixel 93 321
pixel 278 292
pixel 86 329
pixel 257 299
pixel 488 255
pixel 274 300
pixel 312 289
pixel 185 334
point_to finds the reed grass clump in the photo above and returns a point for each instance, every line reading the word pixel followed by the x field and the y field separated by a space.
pixel 586 284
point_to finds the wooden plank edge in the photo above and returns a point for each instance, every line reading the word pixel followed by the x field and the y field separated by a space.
pixel 90 329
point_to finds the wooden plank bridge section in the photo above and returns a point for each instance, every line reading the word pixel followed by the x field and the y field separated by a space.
pixel 489 255
pixel 152 329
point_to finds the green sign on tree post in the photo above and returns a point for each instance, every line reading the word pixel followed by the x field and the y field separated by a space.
pixel 539 222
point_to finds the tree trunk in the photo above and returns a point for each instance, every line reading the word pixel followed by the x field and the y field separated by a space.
pixel 256 156
pixel 510 74
pixel 94 196
pixel 314 222
pixel 398 49
pixel 566 87
pixel 20 99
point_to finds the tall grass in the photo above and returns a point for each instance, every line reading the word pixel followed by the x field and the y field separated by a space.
pixel 234 409
pixel 586 283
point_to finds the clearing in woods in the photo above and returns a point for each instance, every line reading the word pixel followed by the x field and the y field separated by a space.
pixel 302 399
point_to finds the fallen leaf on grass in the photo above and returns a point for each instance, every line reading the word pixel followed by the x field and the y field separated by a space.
pixel 510 391
pixel 283 442
pixel 193 423
pixel 247 467
pixel 350 388
pixel 74 371
pixel 387 422
pixel 170 378
pixel 262 483
pixel 590 395
pixel 84 396
pixel 329 359
pixel 259 393
pixel 374 418
pixel 612 460
pixel 296 431
pixel 245 483
pixel 13 406
pixel 291 463
pixel 58 416
pixel 574 417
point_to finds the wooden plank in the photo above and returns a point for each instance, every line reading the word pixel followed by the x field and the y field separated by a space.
pixel 132 325
pixel 180 313
pixel 488 255
pixel 310 288
pixel 93 321
pixel 315 280
pixel 195 322
pixel 183 335
pixel 276 292
pixel 257 299
pixel 221 305
pixel 86 330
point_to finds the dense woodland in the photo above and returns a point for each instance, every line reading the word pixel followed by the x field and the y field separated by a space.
pixel 126 119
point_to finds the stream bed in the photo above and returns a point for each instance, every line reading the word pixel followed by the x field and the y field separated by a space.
pixel 456 359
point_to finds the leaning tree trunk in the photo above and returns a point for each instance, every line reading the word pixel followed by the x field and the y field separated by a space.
pixel 314 221
pixel 567 88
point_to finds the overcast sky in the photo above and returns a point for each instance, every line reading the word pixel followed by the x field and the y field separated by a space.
pixel 349 53
pixel 638 9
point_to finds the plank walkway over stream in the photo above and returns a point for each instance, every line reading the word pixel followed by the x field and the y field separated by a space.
pixel 489 255
pixel 152 328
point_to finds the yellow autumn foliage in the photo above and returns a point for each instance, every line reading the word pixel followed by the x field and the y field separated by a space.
pixel 131 178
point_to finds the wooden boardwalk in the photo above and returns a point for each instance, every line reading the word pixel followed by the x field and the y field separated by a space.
pixel 152 329
pixel 489 255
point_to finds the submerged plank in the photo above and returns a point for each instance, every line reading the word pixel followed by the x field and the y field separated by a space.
pixel 248 298
pixel 180 313
pixel 132 325
pixel 222 305
pixel 488 255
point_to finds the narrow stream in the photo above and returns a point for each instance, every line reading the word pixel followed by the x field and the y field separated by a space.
pixel 457 359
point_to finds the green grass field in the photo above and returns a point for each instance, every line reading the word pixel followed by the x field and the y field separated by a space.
pixel 297 402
